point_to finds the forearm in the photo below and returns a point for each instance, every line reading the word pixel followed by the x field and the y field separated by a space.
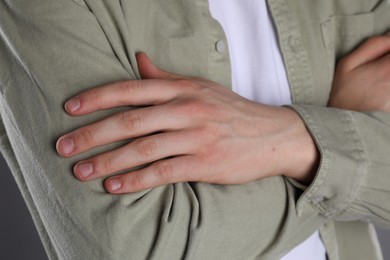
pixel 81 219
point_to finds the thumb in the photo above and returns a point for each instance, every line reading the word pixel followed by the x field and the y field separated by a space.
pixel 148 70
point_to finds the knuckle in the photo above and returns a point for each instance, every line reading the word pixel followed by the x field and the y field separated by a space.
pixel 146 148
pixel 128 86
pixel 165 170
pixel 207 134
pixel 103 164
pixel 93 97
pixel 218 131
pixel 85 137
pixel 197 106
pixel 135 182
pixel 107 164
pixel 193 105
pixel 183 83
pixel 187 84
pixel 204 157
pixel 130 120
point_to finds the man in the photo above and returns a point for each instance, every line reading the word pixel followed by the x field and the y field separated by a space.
pixel 186 220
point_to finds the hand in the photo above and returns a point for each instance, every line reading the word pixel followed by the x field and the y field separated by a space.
pixel 362 80
pixel 190 129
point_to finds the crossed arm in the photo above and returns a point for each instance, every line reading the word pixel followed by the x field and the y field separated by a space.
pixel 78 220
pixel 191 129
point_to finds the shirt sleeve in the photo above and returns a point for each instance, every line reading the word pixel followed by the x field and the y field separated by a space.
pixel 52 50
pixel 353 180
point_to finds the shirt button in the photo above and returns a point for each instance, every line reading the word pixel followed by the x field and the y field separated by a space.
pixel 220 46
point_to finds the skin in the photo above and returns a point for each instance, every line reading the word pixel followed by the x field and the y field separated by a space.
pixel 211 134
pixel 362 80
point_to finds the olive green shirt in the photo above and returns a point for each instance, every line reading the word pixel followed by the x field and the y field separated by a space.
pixel 51 50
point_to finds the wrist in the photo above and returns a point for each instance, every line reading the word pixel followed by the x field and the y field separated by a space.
pixel 301 152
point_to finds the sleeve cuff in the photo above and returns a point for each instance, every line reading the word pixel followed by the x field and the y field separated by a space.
pixel 297 184
pixel 343 163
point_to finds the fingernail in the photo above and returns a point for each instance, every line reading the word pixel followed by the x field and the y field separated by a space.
pixel 84 170
pixel 66 146
pixel 73 104
pixel 114 184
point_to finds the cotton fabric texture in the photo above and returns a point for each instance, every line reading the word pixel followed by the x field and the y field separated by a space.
pixel 52 50
pixel 258 73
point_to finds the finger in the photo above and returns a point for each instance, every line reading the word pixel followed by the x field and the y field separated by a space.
pixel 370 50
pixel 174 170
pixel 148 70
pixel 122 126
pixel 139 152
pixel 123 93
pixel 383 69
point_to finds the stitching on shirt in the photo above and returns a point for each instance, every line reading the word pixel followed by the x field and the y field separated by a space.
pixel 358 153
pixel 323 168
pixel 296 61
pixel 362 159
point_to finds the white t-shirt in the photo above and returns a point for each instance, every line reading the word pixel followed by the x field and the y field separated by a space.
pixel 258 73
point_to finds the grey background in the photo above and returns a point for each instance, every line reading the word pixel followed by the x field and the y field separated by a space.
pixel 19 239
